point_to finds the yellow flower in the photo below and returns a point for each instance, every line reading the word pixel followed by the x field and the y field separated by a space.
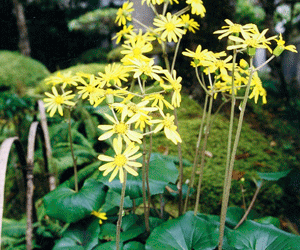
pixel 103 94
pixel 189 23
pixel 136 50
pixel 258 89
pixel 199 56
pixel 175 85
pixel 123 32
pixel 55 101
pixel 133 37
pixel 121 128
pixel 167 124
pixel 251 40
pixel 142 121
pixel 65 79
pixel 89 89
pixel 280 47
pixel 146 68
pixel 218 65
pixel 124 13
pixel 197 7
pixel 114 74
pixel 159 100
pixel 154 2
pixel 131 109
pixel 121 161
pixel 101 216
pixel 170 26
pixel 232 29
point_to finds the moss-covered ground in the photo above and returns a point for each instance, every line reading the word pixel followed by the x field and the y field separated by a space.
pixel 255 153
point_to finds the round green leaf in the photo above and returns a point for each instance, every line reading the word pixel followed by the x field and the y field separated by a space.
pixel 186 232
pixel 255 236
pixel 161 172
pixel 134 245
pixel 269 220
pixel 82 235
pixel 65 204
pixel 235 214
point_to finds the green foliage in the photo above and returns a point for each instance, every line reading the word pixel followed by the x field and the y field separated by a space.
pixel 185 232
pixel 248 12
pixel 100 21
pixel 161 171
pixel 19 73
pixel 82 235
pixel 251 142
pixel 66 205
pixel 252 235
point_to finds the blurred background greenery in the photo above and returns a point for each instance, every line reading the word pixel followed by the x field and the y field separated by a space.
pixel 76 35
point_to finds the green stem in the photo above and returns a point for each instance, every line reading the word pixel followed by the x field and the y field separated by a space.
pixel 227 183
pixel 146 214
pixel 147 172
pixel 119 223
pixel 250 206
pixel 175 55
pixel 72 151
pixel 191 184
pixel 203 154
pixel 179 186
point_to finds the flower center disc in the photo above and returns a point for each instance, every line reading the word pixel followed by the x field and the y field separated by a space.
pixel 58 100
pixel 121 128
pixel 120 160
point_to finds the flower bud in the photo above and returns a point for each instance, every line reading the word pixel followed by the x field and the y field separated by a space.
pixel 278 50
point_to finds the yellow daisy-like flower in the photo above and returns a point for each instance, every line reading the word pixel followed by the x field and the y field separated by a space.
pixel 89 89
pixel 233 29
pixel 197 7
pixel 170 26
pixel 65 79
pixel 121 161
pixel 121 128
pixel 170 129
pixel 131 109
pixel 218 65
pixel 142 121
pixel 107 94
pixel 146 68
pixel 158 100
pixel 56 101
pixel 199 56
pixel 251 40
pixel 114 74
pixel 189 23
pixel 101 216
pixel 175 85
pixel 124 13
pixel 133 37
pixel 154 2
pixel 135 50
pixel 123 32
pixel 281 47
pixel 258 89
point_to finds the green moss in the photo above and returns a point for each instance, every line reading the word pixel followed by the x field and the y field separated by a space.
pixel 19 73
pixel 251 142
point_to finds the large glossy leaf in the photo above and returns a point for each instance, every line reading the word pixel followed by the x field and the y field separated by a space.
pixel 65 204
pixel 255 236
pixel 235 214
pixel 132 226
pixel 82 235
pixel 186 232
pixel 161 172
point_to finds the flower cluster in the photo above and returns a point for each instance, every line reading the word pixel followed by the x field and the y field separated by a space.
pixel 141 93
